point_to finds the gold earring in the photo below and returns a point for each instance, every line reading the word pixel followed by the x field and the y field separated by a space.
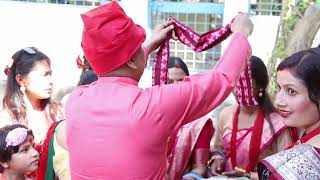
pixel 260 93
pixel 22 89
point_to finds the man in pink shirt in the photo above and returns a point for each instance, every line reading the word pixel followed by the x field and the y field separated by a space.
pixel 115 130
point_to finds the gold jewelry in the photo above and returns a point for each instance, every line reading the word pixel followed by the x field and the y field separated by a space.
pixel 239 169
pixel 22 89
pixel 260 92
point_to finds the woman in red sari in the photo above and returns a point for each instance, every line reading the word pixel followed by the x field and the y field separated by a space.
pixel 297 100
pixel 248 132
pixel 188 150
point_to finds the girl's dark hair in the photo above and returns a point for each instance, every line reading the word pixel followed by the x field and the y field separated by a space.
pixel 7 152
pixel 260 76
pixel 88 75
pixel 176 61
pixel 305 65
pixel 23 62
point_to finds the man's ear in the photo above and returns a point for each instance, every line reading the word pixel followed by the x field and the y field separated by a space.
pixel 131 64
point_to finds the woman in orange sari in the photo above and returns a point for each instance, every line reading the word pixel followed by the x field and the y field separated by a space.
pixel 248 132
pixel 188 150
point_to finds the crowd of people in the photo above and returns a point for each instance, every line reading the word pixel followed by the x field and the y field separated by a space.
pixel 109 128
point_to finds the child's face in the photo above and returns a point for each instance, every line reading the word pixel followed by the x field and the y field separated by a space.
pixel 26 159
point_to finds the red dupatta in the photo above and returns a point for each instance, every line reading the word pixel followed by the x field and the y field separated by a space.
pixel 41 173
pixel 190 38
pixel 306 137
pixel 255 141
pixel 200 43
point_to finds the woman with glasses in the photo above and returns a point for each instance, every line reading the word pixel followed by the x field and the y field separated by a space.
pixel 27 93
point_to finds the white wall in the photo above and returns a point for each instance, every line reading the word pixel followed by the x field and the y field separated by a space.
pixel 55 29
pixel 137 10
pixel 232 7
pixel 264 34
pixel 265 28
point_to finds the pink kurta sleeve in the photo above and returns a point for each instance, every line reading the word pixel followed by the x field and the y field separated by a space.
pixel 176 104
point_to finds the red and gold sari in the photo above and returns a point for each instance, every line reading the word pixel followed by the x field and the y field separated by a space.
pixel 191 138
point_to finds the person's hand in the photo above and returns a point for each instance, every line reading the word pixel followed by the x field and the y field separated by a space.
pixel 159 34
pixel 242 24
pixel 217 166
pixel 237 172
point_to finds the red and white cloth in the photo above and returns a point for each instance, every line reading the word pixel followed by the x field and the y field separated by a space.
pixel 245 89
pixel 200 43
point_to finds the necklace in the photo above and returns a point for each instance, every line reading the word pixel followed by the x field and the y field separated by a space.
pixel 306 137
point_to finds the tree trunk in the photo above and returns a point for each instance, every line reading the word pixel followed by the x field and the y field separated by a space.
pixel 273 59
pixel 305 30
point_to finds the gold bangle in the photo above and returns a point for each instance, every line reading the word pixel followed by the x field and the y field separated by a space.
pixel 239 169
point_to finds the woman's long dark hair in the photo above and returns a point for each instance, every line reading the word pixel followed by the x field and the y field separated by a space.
pixel 260 76
pixel 23 62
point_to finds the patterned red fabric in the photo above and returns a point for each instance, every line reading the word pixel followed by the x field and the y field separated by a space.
pixel 190 38
pixel 200 43
pixel 245 90
pixel 255 140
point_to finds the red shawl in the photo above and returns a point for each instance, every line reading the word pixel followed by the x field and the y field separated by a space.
pixel 200 43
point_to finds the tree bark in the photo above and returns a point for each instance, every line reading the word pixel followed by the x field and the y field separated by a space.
pixel 273 59
pixel 305 30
